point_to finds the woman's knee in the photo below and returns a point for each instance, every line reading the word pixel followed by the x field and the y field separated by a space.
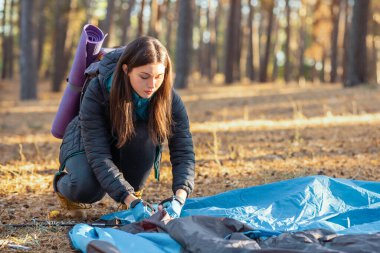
pixel 87 191
pixel 80 183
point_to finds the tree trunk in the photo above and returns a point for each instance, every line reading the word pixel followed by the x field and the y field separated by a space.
pixel 27 61
pixel 357 57
pixel 109 21
pixel 239 42
pixel 287 67
pixel 158 26
pixel 374 60
pixel 232 59
pixel 335 16
pixel 4 39
pixel 275 68
pixel 60 27
pixel 140 28
pixel 10 51
pixel 200 51
pixel 372 70
pixel 211 58
pixel 8 56
pixel 265 62
pixel 3 20
pixel 184 43
pixel 126 22
pixel 172 18
pixel 302 38
pixel 218 58
pixel 206 45
pixel 41 33
pixel 153 18
pixel 250 70
pixel 346 40
pixel 259 40
pixel 275 48
pixel 322 72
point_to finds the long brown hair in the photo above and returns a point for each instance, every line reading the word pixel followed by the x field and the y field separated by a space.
pixel 142 51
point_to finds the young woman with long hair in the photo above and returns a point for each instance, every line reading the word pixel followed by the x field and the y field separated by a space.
pixel 126 113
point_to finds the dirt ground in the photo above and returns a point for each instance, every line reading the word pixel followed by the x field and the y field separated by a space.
pixel 244 135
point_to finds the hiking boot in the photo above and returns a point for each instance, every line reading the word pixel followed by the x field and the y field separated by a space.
pixel 71 205
pixel 70 208
pixel 66 203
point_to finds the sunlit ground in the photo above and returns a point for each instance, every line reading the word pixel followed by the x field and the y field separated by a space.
pixel 244 135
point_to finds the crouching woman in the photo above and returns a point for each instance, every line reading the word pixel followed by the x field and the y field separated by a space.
pixel 126 113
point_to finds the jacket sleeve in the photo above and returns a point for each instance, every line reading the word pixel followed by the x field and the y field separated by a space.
pixel 97 141
pixel 181 148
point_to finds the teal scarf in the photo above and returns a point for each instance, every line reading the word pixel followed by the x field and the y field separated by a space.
pixel 141 104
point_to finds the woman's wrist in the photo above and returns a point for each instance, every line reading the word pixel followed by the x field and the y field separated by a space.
pixel 181 193
pixel 128 200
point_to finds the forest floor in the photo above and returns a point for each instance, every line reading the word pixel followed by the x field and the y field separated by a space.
pixel 244 135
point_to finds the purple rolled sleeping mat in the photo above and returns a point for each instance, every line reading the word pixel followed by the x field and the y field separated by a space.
pixel 87 52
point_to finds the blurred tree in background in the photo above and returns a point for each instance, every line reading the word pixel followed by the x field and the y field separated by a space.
pixel 28 70
pixel 184 43
pixel 357 72
pixel 226 41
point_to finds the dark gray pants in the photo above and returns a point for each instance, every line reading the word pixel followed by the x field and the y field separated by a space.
pixel 80 183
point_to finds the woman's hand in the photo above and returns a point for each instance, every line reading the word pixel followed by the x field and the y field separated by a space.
pixel 141 209
pixel 173 206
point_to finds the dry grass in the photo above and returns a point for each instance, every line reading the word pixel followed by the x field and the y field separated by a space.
pixel 244 135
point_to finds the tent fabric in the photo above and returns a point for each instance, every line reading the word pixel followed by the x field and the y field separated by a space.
pixel 204 234
pixel 296 204
pixel 340 206
pixel 99 246
pixel 81 235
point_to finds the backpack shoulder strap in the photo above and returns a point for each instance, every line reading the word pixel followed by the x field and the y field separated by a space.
pixel 90 72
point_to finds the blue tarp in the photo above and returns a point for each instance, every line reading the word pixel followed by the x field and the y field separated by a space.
pixel 340 205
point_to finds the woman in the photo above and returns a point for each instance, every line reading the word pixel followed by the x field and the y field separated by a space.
pixel 127 111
